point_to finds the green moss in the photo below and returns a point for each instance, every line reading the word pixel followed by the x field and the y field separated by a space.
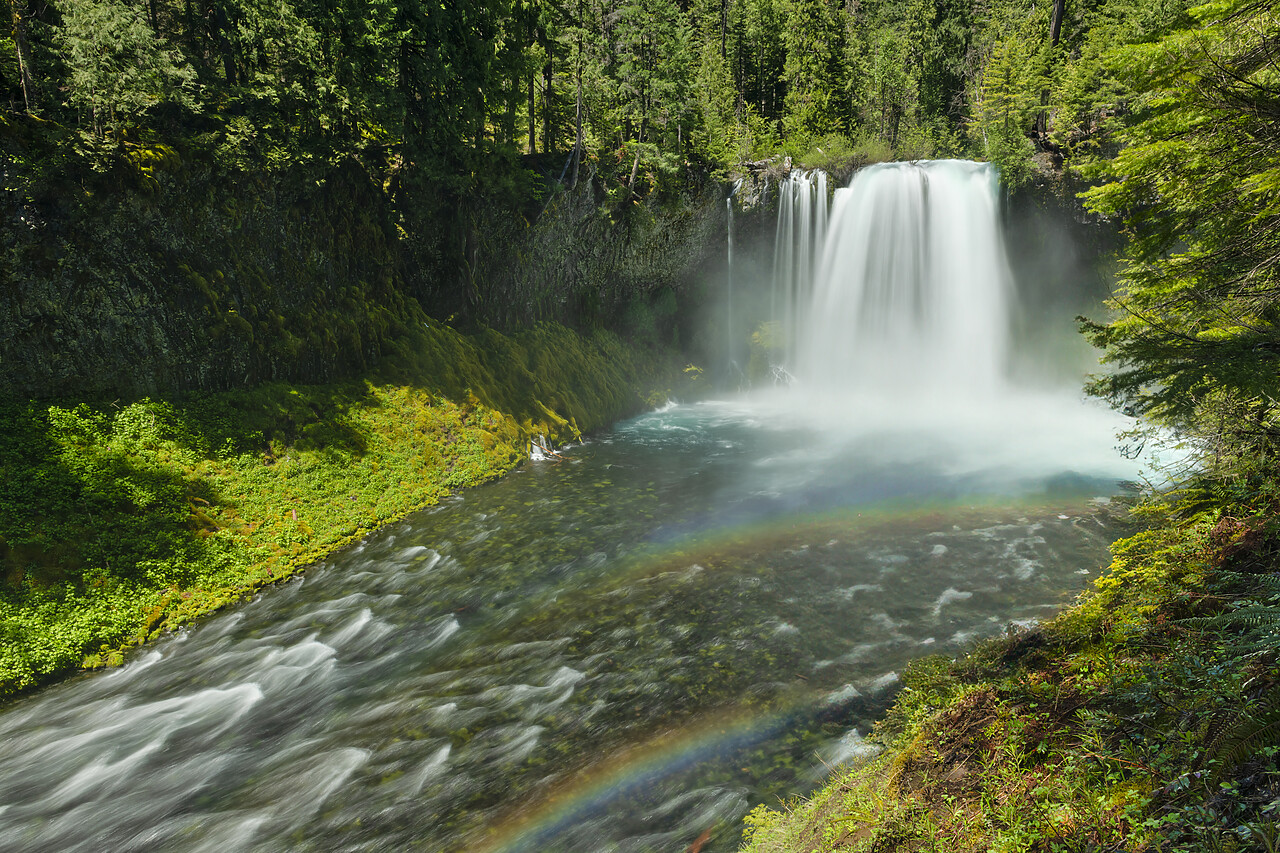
pixel 1141 719
pixel 120 521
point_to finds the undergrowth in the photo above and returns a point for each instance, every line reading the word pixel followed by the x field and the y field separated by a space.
pixel 1144 718
pixel 122 520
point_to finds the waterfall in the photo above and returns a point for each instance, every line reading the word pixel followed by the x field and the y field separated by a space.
pixel 912 292
pixel 728 302
pixel 734 370
pixel 798 241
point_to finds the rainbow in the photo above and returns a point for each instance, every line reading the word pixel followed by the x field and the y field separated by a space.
pixel 629 770
pixel 725 546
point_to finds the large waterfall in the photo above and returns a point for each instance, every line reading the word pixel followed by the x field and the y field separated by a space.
pixel 913 289
pixel 892 324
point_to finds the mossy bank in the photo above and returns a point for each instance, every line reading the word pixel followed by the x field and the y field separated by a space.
pixel 1145 718
pixel 121 520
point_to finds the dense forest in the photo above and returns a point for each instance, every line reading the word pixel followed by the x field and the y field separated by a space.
pixel 449 95
pixel 1145 720
pixel 444 103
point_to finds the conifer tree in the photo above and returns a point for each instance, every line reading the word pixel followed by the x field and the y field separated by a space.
pixel 119 67
pixel 1007 101
pixel 1195 339
pixel 814 44
pixel 22 52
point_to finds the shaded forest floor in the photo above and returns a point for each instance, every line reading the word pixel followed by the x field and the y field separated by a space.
pixel 1146 717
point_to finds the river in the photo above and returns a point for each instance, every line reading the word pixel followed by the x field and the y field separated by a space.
pixel 625 649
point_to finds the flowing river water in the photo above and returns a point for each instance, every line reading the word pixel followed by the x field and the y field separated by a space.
pixel 623 650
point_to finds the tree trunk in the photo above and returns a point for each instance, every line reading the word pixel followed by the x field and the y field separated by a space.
pixel 511 121
pixel 533 117
pixel 1055 33
pixel 18 16
pixel 546 106
pixel 577 131
pixel 724 28
pixel 1055 22
pixel 222 26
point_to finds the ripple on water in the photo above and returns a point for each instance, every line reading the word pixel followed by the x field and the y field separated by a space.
pixel 444 674
pixel 949 595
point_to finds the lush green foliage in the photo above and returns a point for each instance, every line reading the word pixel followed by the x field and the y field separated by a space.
pixel 1197 327
pixel 444 97
pixel 1144 718
pixel 121 520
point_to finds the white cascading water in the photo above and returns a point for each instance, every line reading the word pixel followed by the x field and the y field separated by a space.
pixel 894 329
pixel 913 289
pixel 798 242
pixel 728 277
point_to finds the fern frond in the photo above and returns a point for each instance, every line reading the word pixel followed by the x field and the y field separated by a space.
pixel 1235 737
pixel 1249 617
pixel 1257 585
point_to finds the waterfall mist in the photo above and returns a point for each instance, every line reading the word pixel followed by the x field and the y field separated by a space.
pixel 896 323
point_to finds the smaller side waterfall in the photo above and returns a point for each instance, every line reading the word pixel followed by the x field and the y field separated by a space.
pixel 728 277
pixel 734 374
pixel 798 243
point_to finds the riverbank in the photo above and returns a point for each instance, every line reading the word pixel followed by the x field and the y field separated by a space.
pixel 1142 718
pixel 122 520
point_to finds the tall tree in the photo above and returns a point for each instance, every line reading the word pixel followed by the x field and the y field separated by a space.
pixel 1195 339
pixel 118 66
pixel 757 56
pixel 26 77
pixel 1008 101
pixel 813 38
pixel 654 68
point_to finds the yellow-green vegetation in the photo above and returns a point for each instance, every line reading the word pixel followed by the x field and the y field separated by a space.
pixel 122 520
pixel 1146 717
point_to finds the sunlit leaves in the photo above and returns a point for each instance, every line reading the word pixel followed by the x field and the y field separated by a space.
pixel 1008 99
pixel 118 67
pixel 1198 327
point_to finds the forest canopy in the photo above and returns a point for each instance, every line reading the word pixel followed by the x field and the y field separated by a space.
pixel 442 92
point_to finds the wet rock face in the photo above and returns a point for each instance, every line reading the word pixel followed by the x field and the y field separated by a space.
pixel 590 259
pixel 201 283
pixel 202 279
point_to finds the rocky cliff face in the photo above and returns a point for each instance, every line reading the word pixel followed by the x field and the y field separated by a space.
pixel 163 272
pixel 171 276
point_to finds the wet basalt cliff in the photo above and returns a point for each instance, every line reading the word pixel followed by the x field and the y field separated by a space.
pixel 141 269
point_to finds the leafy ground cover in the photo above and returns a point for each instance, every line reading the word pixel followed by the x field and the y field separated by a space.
pixel 1146 717
pixel 120 520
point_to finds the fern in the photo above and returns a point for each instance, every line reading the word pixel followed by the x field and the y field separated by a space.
pixel 1247 630
pixel 1247 616
pixel 1254 585
pixel 1234 737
